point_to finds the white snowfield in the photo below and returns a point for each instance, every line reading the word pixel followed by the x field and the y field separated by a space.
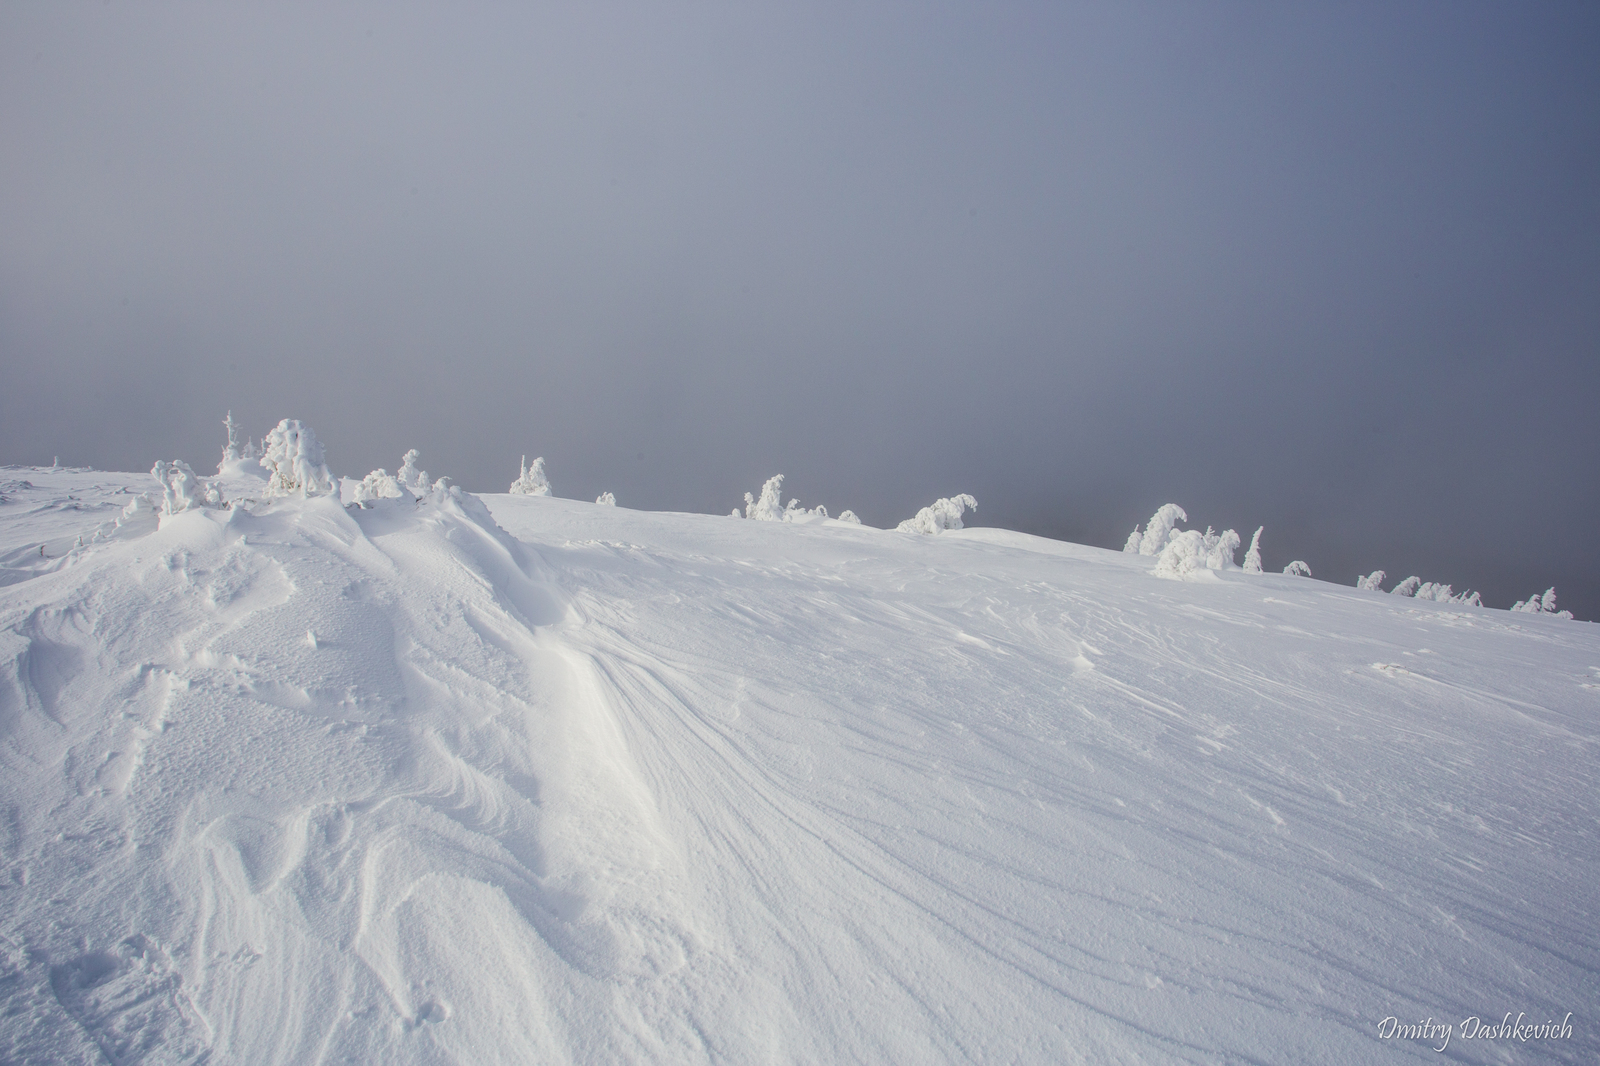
pixel 296 783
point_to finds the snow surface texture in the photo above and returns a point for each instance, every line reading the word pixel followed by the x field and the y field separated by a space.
pixel 295 782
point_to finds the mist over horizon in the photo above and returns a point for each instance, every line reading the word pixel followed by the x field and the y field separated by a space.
pixel 1330 271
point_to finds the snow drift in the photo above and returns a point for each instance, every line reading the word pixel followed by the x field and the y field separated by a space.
pixel 530 780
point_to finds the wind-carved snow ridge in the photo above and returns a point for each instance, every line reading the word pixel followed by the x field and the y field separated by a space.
pixel 504 779
pixel 939 516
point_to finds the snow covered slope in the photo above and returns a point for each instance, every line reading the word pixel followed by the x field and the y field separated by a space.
pixel 298 783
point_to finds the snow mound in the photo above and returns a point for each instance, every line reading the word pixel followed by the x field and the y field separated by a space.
pixel 512 780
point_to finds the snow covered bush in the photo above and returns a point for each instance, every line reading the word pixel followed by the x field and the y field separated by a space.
pixel 1545 604
pixel 181 489
pixel 411 475
pixel 769 508
pixel 1298 568
pixel 849 516
pixel 1373 582
pixel 605 499
pixel 532 482
pixel 939 516
pixel 1190 550
pixel 378 485
pixel 1157 532
pixel 1428 590
pixel 292 457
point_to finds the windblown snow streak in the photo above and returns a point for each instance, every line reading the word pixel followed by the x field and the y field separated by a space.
pixel 299 783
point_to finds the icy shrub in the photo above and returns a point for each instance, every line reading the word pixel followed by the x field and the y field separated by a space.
pixel 293 459
pixel 769 508
pixel 939 516
pixel 231 451
pixel 411 475
pixel 1252 558
pixel 1134 539
pixel 1190 550
pixel 1373 582
pixel 532 482
pixel 605 499
pixel 1545 604
pixel 181 489
pixel 848 515
pixel 1158 531
pixel 1185 552
pixel 1220 548
pixel 1298 568
pixel 1408 587
pixel 1429 590
pixel 378 485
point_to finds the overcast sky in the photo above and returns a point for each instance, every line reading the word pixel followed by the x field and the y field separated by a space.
pixel 1331 269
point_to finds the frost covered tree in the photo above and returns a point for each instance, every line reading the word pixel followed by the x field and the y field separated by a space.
pixel 1252 558
pixel 1408 587
pixel 181 490
pixel 1429 590
pixel 293 459
pixel 939 516
pixel 532 482
pixel 1189 550
pixel 1373 582
pixel 606 499
pixel 411 475
pixel 232 451
pixel 1157 531
pixel 1545 604
pixel 769 508
pixel 1298 568
pixel 1220 548
pixel 849 516
pixel 1134 539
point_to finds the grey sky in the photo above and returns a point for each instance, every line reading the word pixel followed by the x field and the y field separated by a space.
pixel 1335 270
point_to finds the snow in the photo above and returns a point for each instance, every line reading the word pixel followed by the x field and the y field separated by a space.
pixel 523 779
